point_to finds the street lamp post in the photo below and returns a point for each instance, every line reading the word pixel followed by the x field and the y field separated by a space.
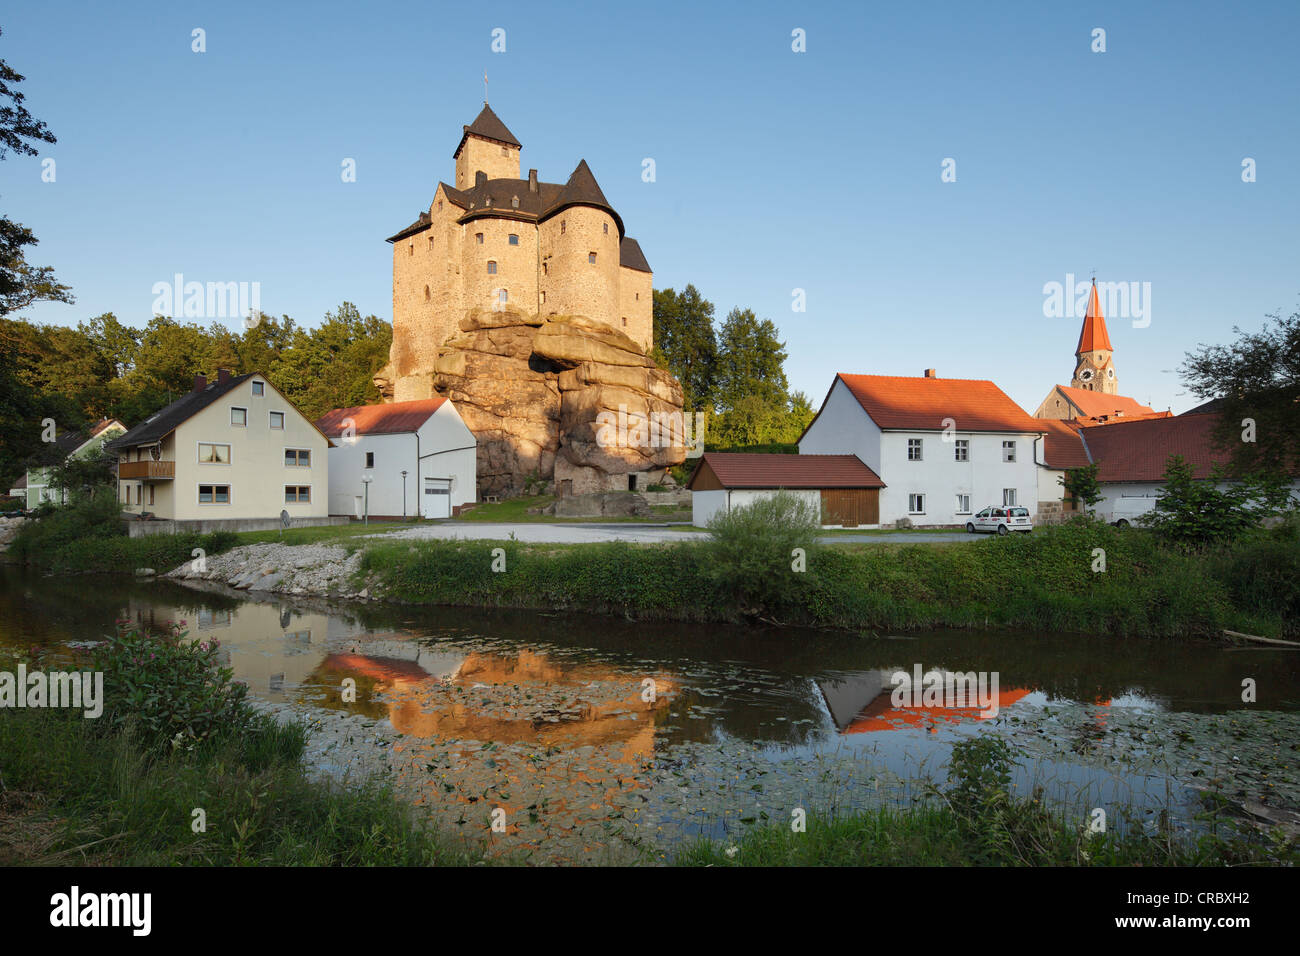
pixel 403 495
pixel 366 481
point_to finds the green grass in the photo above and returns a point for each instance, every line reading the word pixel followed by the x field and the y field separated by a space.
pixel 515 511
pixel 350 535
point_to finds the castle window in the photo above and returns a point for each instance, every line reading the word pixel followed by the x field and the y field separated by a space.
pixel 638 296
pixel 503 296
pixel 410 248
pixel 563 226
pixel 514 240
pixel 439 205
pixel 591 257
pixel 605 225
pixel 426 293
pixel 543 298
pixel 431 242
pixel 546 268
pixel 478 237
pixel 492 268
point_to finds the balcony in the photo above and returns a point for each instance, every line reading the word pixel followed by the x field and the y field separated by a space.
pixel 148 470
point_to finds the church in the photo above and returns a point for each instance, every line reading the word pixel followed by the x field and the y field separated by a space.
pixel 499 241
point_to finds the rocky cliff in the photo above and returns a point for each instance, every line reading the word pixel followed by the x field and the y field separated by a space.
pixel 562 399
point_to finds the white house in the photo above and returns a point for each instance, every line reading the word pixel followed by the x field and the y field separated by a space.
pixel 417 458
pixel 76 443
pixel 841 487
pixel 944 448
pixel 226 453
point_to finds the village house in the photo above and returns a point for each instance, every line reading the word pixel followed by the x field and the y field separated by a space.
pixel 415 458
pixel 233 453
pixel 38 483
pixel 845 490
pixel 944 448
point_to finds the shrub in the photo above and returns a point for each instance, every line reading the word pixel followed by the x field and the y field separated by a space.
pixel 86 517
pixel 751 554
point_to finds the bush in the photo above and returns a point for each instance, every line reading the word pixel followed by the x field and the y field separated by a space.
pixel 86 517
pixel 751 556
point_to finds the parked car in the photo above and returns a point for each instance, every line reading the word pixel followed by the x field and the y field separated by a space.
pixel 1001 520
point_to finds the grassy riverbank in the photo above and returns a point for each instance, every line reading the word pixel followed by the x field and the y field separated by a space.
pixel 1045 581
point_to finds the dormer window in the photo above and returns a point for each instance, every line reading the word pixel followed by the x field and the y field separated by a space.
pixel 492 268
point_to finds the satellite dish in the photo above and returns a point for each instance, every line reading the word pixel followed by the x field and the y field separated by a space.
pixel 155 452
pixel 284 518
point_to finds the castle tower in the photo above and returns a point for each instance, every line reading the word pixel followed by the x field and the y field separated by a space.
pixel 488 147
pixel 1094 370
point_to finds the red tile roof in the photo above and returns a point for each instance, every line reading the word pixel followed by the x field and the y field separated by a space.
pixel 922 404
pixel 1062 448
pixel 1098 404
pixel 1140 450
pixel 741 470
pixel 380 419
pixel 1093 334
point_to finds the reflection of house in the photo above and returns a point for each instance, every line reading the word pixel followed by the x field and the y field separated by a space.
pixel 230 450
pixel 418 456
pixel 844 490
pixel 861 703
pixel 85 443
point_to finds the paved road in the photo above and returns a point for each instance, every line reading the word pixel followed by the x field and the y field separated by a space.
pixel 585 532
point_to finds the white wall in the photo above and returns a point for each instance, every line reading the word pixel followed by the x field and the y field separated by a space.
pixel 1131 499
pixel 940 477
pixel 705 504
pixel 446 450
pixel 844 428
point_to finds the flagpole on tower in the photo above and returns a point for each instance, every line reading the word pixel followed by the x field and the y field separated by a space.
pixel 485 90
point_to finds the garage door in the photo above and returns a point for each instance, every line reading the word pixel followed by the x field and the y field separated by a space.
pixel 851 507
pixel 436 498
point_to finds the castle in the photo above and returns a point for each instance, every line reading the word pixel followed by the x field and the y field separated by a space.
pixel 497 241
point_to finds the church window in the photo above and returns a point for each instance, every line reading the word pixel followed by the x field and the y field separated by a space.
pixel 492 268
pixel 478 237
pixel 514 240
pixel 591 257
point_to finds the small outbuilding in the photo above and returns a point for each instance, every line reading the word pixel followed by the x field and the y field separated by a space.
pixel 842 486
pixel 400 460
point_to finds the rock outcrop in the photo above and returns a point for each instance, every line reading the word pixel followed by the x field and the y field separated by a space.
pixel 562 399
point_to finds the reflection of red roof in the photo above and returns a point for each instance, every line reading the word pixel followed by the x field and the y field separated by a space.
pixel 741 470
pixel 380 668
pixel 881 714
pixel 1098 404
pixel 380 419
pixel 1093 334
pixel 1140 450
pixel 902 402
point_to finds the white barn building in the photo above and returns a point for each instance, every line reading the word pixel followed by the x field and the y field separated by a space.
pixel 420 458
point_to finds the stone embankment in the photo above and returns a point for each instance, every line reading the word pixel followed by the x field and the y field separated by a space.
pixel 288 569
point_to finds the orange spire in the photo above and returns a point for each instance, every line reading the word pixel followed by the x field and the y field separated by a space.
pixel 1093 334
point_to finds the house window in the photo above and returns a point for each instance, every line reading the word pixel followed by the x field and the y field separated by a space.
pixel 492 268
pixel 1008 451
pixel 914 449
pixel 239 416
pixel 916 504
pixel 963 504
pixel 961 452
pixel 514 240
pixel 1008 497
pixel 126 494
pixel 151 494
pixel 478 237
pixel 591 257
pixel 139 495
pixel 212 454
pixel 297 458
pixel 214 494
pixel 277 421
pixel 370 459
pixel 297 493
pixel 259 389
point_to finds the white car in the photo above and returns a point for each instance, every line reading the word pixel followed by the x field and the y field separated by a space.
pixel 1001 520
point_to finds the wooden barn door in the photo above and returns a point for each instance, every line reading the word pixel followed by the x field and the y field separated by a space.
pixel 850 507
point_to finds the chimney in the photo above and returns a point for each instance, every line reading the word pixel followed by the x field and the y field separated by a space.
pixel 480 178
pixel 532 180
pixel 929 373
pixel 223 376
pixel 200 382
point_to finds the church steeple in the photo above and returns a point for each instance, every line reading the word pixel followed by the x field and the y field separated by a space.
pixel 1093 368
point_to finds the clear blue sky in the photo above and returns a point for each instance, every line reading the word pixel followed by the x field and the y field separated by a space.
pixel 775 170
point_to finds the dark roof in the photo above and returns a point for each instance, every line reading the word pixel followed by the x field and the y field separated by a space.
pixel 496 198
pixel 394 418
pixel 69 442
pixel 1139 450
pixel 489 126
pixel 1213 406
pixel 630 256
pixel 163 422
pixel 741 470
